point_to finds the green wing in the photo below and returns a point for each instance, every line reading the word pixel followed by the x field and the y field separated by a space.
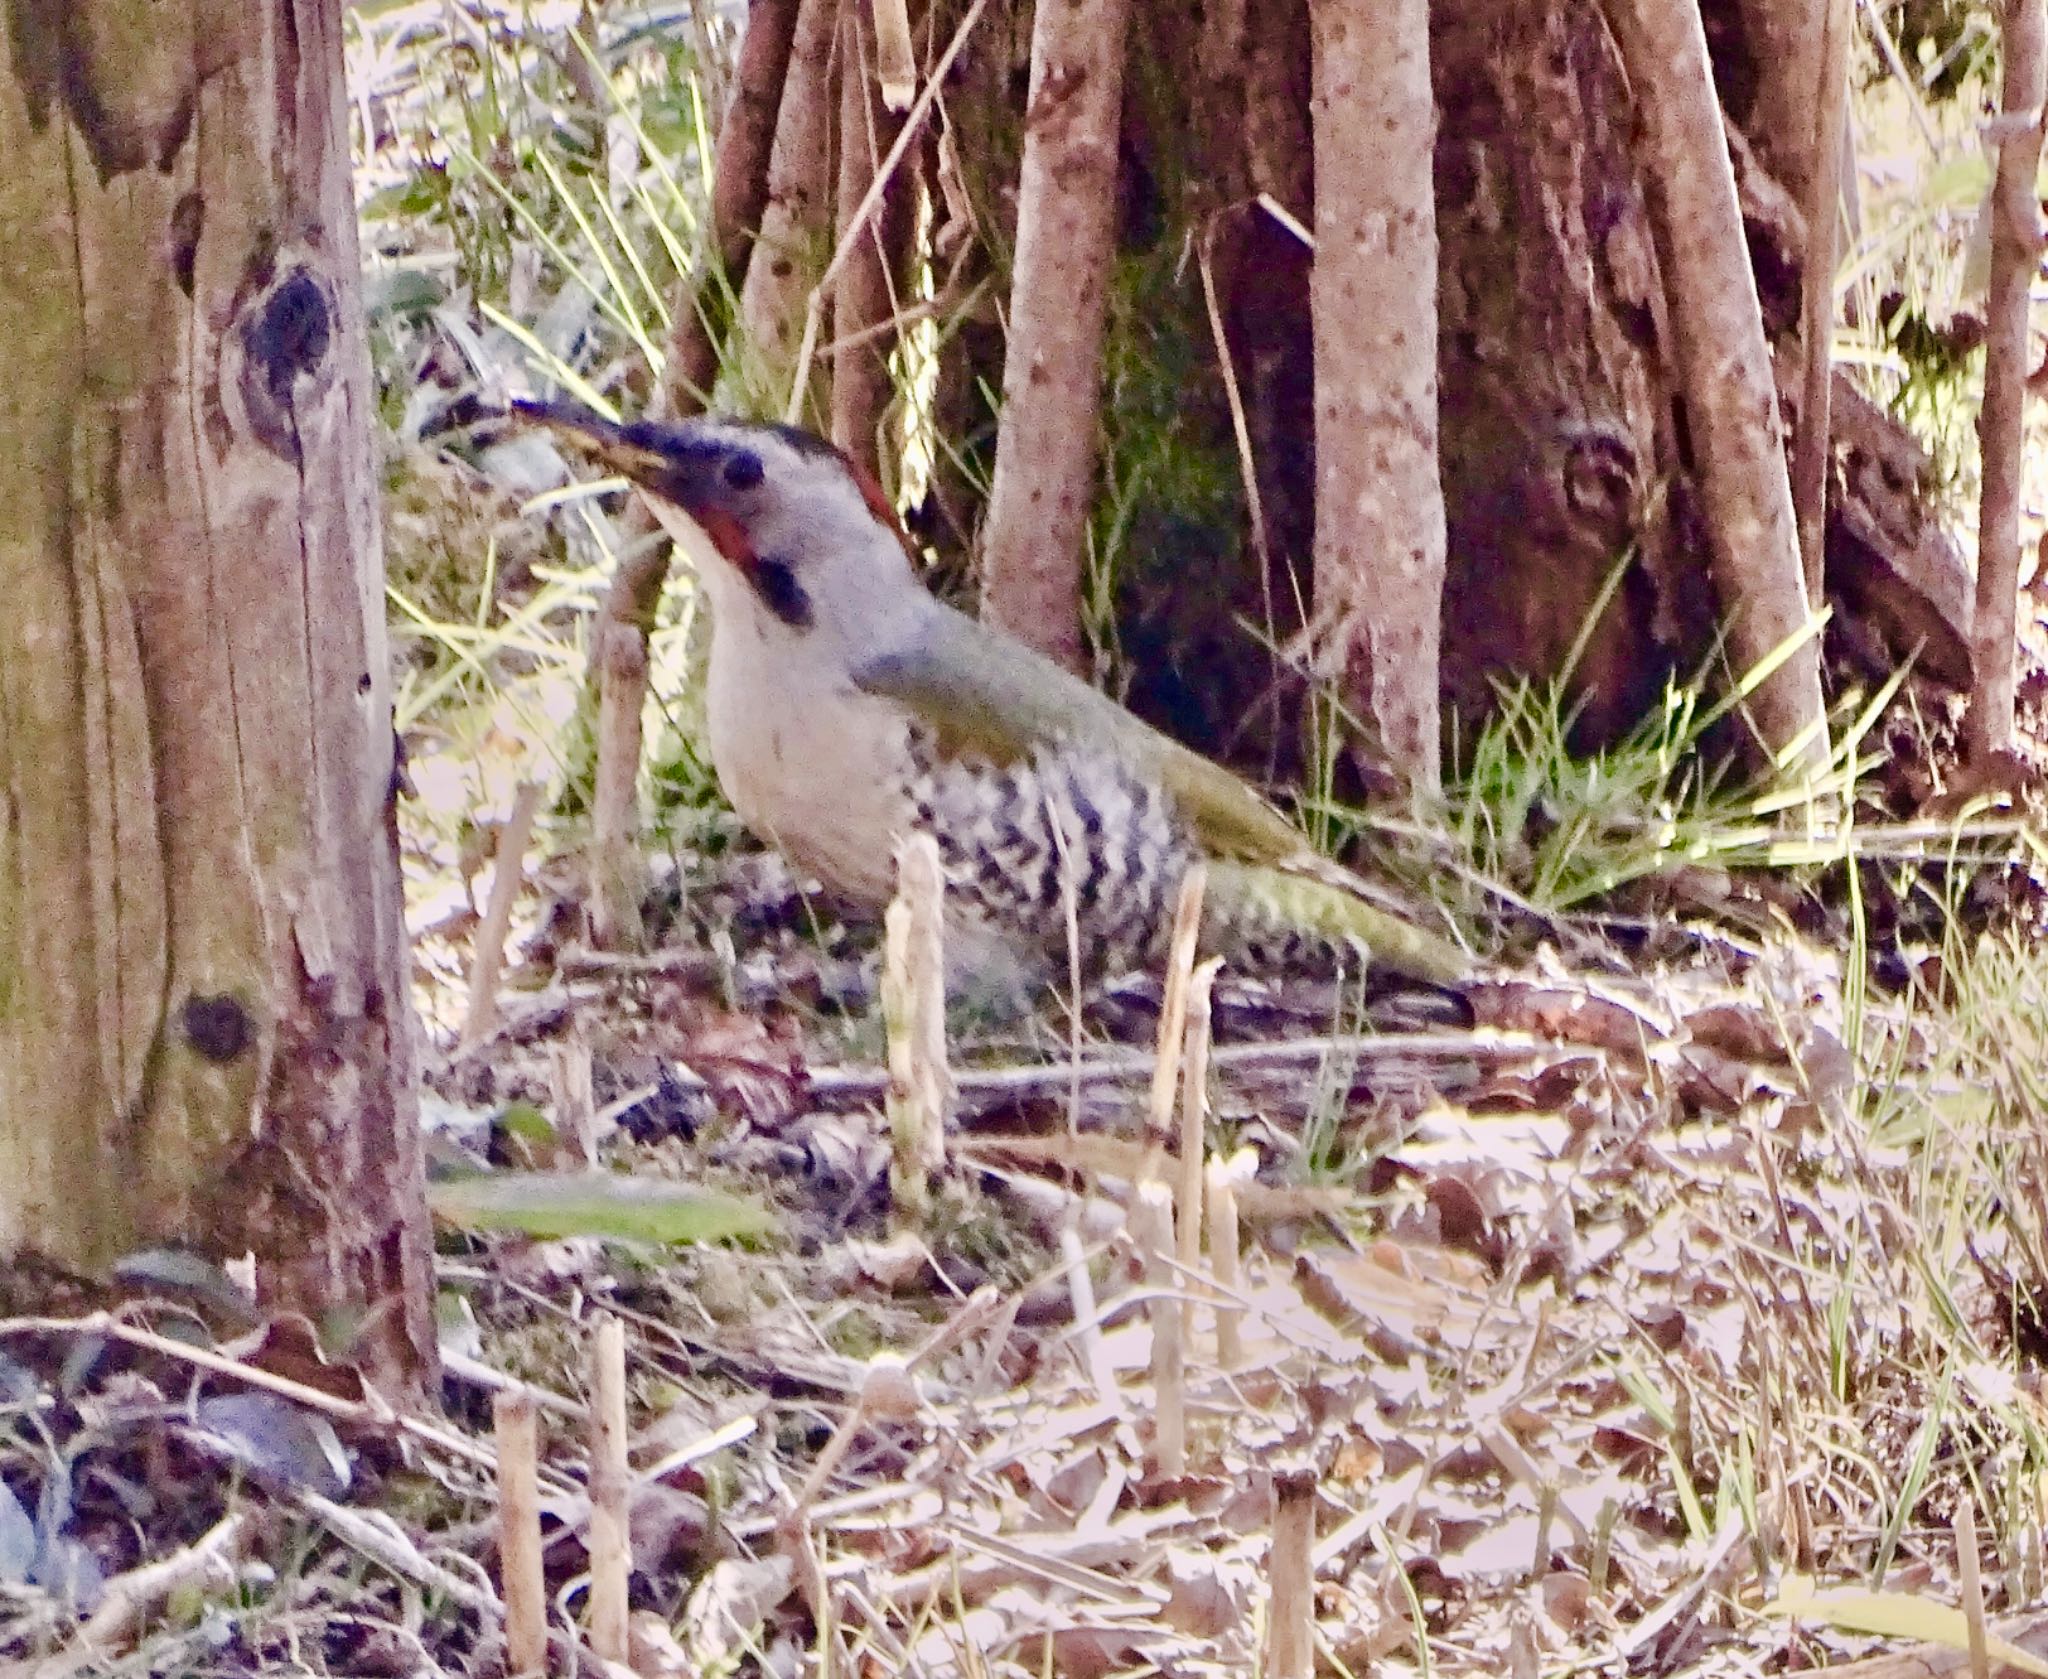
pixel 1247 899
pixel 984 694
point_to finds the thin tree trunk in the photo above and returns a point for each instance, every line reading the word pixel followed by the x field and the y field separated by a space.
pixel 865 296
pixel 1724 370
pixel 1059 300
pixel 1272 317
pixel 1810 441
pixel 972 216
pixel 205 1033
pixel 796 224
pixel 739 195
pixel 1786 44
pixel 1379 544
pixel 2015 259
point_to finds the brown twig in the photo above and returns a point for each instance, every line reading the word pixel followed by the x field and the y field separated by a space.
pixel 1221 1202
pixel 1240 424
pixel 1152 1234
pixel 856 1084
pixel 864 301
pixel 619 653
pixel 208 1562
pixel 1087 1327
pixel 852 227
pixel 508 874
pixel 739 191
pixel 796 221
pixel 1173 1008
pixel 495 1382
pixel 1970 1587
pixel 1194 1119
pixel 572 1089
pixel 379 1537
pixel 370 1414
pixel 895 56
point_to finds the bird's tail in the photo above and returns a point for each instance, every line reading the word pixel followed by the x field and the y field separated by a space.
pixel 1252 907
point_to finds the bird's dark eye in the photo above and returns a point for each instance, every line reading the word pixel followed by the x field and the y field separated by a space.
pixel 743 470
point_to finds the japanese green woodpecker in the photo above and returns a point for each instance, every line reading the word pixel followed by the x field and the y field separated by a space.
pixel 848 706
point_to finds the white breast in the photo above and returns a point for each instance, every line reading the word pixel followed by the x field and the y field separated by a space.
pixel 813 766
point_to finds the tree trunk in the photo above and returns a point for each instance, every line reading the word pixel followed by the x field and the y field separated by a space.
pixel 205 1034
pixel 2015 260
pixel 1554 409
pixel 1812 439
pixel 1569 468
pixel 1379 545
pixel 739 194
pixel 1723 364
pixel 796 223
pixel 967 166
pixel 867 296
pixel 1768 72
pixel 1059 299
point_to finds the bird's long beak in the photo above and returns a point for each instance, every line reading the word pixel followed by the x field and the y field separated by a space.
pixel 633 452
pixel 676 467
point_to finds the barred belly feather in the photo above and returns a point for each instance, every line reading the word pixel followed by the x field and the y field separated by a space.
pixel 1020 843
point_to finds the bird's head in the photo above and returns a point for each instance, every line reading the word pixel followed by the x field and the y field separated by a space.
pixel 810 546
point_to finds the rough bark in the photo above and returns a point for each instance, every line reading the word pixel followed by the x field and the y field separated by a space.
pixel 795 238
pixel 1554 406
pixel 1209 414
pixel 1823 204
pixel 2015 259
pixel 205 1035
pixel 1726 388
pixel 1767 72
pixel 1059 295
pixel 1891 561
pixel 1379 547
pixel 1272 332
pixel 968 168
pixel 865 298
pixel 1565 453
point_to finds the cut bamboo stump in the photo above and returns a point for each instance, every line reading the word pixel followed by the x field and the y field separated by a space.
pixel 1152 1232
pixel 1291 1579
pixel 516 1417
pixel 611 1538
pixel 914 1016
